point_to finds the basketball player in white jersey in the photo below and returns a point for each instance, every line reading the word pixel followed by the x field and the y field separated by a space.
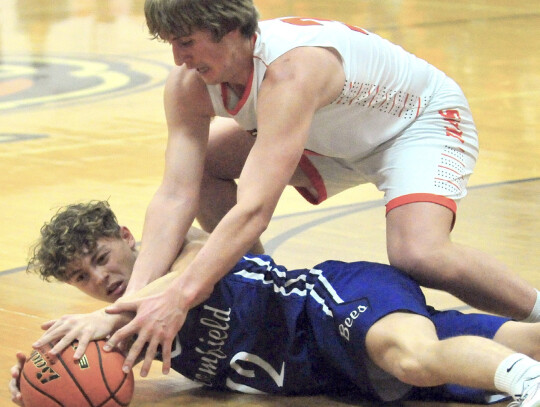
pixel 320 105
pixel 330 328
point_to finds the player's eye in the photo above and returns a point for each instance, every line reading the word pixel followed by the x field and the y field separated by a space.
pixel 185 43
pixel 102 259
pixel 80 278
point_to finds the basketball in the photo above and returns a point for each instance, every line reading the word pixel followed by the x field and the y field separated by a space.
pixel 95 380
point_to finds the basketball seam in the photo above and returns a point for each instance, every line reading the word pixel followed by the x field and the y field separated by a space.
pixel 103 376
pixel 40 391
pixel 73 378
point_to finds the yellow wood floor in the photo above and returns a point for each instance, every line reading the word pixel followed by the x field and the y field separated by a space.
pixel 81 118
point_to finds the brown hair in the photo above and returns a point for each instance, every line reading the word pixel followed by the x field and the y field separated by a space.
pixel 180 18
pixel 71 233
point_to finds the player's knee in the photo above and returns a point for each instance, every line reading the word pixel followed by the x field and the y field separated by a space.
pixel 424 263
pixel 410 369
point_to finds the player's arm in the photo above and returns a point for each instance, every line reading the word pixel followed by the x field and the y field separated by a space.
pixel 193 243
pixel 296 85
pixel 188 111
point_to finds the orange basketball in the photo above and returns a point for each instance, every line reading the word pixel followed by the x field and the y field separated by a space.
pixel 95 380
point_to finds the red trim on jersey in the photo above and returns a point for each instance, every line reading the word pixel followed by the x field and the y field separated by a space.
pixel 315 179
pixel 309 152
pixel 242 101
pixel 404 105
pixel 411 198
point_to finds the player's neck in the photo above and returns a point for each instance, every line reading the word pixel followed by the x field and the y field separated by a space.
pixel 244 68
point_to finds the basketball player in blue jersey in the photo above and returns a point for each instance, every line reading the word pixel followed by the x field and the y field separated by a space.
pixel 337 327
pixel 320 105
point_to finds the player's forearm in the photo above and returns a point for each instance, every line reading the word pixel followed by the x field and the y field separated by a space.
pixel 231 239
pixel 166 224
pixel 189 251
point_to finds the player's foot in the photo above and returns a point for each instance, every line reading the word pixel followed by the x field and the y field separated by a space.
pixel 530 397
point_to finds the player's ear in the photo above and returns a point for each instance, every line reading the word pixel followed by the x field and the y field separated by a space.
pixel 126 235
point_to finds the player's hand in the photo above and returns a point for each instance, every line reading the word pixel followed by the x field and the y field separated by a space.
pixel 81 327
pixel 14 384
pixel 158 320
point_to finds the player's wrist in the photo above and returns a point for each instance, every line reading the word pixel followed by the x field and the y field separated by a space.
pixel 190 291
pixel 116 321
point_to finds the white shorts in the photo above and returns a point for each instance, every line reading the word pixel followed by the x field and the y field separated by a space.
pixel 429 161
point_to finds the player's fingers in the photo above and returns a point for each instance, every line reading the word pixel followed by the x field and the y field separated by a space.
pixel 62 344
pixel 21 359
pixel 149 357
pixel 57 330
pixel 120 307
pixel 122 335
pixel 84 340
pixel 15 371
pixel 46 325
pixel 117 338
pixel 134 352
pixel 16 396
pixel 166 357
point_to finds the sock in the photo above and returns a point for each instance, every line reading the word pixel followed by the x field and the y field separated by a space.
pixel 535 313
pixel 513 373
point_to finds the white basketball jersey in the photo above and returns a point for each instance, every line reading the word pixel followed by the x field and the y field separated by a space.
pixel 385 89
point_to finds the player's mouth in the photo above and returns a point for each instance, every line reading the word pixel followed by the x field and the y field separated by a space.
pixel 116 289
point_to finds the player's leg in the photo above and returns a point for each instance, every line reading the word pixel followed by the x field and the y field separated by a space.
pixel 228 148
pixel 418 242
pixel 431 162
pixel 521 337
pixel 407 346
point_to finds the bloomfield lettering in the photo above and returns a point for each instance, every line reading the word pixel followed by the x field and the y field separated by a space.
pixel 211 344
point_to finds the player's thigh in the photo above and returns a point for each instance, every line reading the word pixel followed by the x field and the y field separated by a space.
pixel 228 148
pixel 418 226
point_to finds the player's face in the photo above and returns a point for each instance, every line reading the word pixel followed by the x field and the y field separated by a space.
pixel 215 62
pixel 105 273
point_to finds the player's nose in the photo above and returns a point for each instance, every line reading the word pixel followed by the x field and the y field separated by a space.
pixel 101 275
pixel 180 55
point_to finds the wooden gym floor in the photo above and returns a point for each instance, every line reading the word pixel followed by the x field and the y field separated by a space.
pixel 81 118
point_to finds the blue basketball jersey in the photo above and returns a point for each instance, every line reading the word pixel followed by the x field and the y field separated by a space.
pixel 266 329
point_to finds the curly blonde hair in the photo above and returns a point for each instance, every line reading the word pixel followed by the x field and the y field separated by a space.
pixel 72 233
pixel 181 17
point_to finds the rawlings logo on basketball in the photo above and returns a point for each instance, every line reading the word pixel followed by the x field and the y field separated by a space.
pixel 94 380
pixel 83 361
pixel 46 373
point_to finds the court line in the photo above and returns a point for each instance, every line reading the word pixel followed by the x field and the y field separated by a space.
pixel 342 210
pixel 110 60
